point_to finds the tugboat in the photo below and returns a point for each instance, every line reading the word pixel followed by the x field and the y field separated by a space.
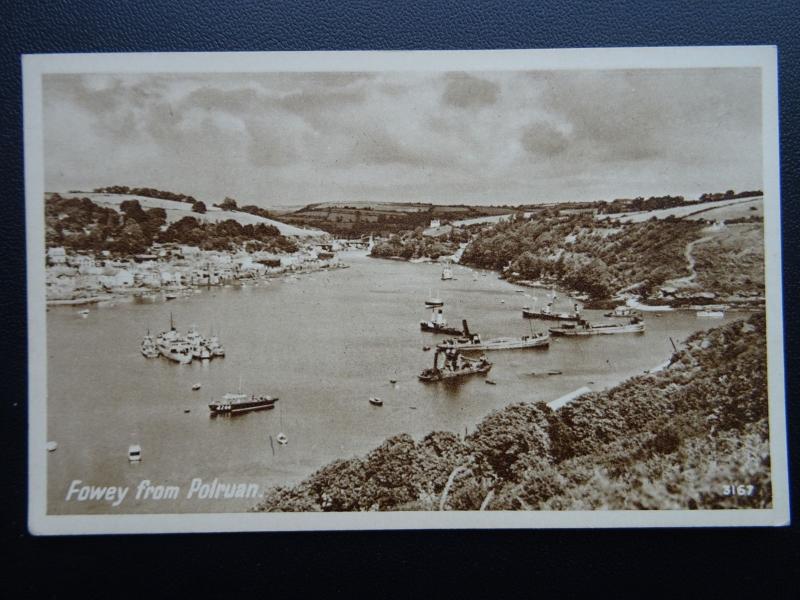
pixel 583 328
pixel 149 349
pixel 547 314
pixel 438 324
pixel 455 365
pixel 237 403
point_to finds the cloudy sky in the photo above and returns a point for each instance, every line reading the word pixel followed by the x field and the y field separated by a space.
pixel 276 139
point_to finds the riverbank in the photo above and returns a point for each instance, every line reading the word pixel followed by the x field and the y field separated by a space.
pixel 81 279
pixel 615 449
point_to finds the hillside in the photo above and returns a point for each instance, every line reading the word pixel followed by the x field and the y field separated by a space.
pixel 353 219
pixel 176 210
pixel 668 440
pixel 598 258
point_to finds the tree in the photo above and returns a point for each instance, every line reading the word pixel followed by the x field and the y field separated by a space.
pixel 199 207
pixel 228 204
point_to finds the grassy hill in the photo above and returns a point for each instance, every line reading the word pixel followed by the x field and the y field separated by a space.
pixel 176 210
pixel 668 440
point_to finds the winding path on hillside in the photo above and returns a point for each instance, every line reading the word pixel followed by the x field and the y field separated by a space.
pixel 689 279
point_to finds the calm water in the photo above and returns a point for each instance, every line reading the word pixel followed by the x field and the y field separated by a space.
pixel 323 343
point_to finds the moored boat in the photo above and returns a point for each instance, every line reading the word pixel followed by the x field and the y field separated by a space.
pixel 375 401
pixel 547 314
pixel 433 301
pixel 447 273
pixel 438 324
pixel 238 403
pixel 536 340
pixel 584 328
pixel 134 453
pixel 621 311
pixel 149 349
pixel 714 314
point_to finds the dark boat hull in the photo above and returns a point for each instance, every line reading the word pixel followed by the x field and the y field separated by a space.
pixel 424 326
pixel 442 375
pixel 242 407
pixel 535 314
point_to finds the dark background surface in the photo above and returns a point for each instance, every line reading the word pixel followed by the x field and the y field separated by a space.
pixel 696 562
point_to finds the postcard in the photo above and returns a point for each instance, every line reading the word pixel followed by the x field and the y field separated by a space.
pixel 404 290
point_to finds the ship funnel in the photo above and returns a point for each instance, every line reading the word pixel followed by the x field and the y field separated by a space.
pixel 466 327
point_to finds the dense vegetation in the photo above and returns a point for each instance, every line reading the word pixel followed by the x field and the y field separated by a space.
pixel 416 245
pixel 79 224
pixel 672 439
pixel 594 257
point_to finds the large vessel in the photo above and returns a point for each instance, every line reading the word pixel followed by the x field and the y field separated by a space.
pixel 547 314
pixel 472 341
pixel 149 348
pixel 537 340
pixel 455 365
pixel 438 324
pixel 238 403
pixel 583 327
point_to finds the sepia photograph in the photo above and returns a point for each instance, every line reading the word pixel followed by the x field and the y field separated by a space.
pixel 381 290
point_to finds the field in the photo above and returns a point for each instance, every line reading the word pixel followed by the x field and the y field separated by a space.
pixel 695 211
pixel 749 208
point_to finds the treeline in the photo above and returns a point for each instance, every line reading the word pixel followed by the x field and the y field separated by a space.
pixel 146 192
pixel 415 245
pixel 81 225
pixel 227 235
pixel 669 440
pixel 621 205
pixel 594 257
pixel 230 204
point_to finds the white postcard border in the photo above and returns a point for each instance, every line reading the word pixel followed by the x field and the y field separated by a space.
pixel 34 66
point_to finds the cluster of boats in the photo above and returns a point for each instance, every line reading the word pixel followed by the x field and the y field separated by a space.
pixel 456 364
pixel 181 348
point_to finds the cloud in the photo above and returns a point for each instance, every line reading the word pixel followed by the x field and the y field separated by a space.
pixel 466 91
pixel 499 137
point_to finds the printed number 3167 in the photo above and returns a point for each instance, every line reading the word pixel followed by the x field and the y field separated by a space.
pixel 738 490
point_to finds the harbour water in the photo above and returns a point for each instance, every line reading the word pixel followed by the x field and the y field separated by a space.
pixel 323 343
